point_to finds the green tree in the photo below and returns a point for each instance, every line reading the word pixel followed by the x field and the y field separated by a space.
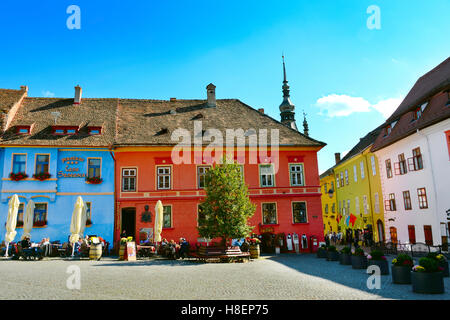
pixel 227 207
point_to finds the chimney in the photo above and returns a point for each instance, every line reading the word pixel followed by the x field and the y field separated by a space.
pixel 337 157
pixel 77 99
pixel 173 99
pixel 211 94
pixel 24 88
pixel 261 110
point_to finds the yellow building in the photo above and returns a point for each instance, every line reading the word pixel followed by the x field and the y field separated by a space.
pixel 358 190
pixel 329 210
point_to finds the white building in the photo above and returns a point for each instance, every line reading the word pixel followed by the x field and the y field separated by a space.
pixel 414 156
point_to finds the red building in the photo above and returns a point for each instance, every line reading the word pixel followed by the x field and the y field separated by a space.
pixel 284 185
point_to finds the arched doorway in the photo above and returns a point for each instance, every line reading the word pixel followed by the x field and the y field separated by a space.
pixel 380 229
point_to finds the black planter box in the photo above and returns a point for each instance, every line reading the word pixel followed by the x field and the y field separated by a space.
pixel 345 258
pixel 444 265
pixel 424 282
pixel 401 275
pixel 383 264
pixel 321 253
pixel 359 262
pixel 333 256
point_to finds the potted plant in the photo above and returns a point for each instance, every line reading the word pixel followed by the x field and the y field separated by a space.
pixel 441 260
pixel 322 252
pixel 345 256
pixel 359 259
pixel 377 258
pixel 42 176
pixel 123 246
pixel 94 180
pixel 332 254
pixel 18 176
pixel 427 277
pixel 401 269
pixel 254 248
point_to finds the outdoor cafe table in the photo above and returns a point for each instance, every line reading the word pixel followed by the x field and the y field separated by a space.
pixel 145 251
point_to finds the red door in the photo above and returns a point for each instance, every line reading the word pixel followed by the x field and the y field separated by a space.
pixel 393 232
pixel 412 234
pixel 428 235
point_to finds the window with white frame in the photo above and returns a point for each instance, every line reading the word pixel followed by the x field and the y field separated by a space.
pixel 374 169
pixel 365 204
pixel 357 205
pixel 201 173
pixel 377 202
pixel 362 169
pixel 163 177
pixel 355 173
pixel 128 180
pixel 266 175
pixel 296 172
pixel 346 176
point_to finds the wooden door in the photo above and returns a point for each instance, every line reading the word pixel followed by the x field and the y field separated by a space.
pixel 393 232
pixel 428 235
pixel 412 234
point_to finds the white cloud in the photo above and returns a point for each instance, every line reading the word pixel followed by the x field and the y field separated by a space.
pixel 48 94
pixel 341 105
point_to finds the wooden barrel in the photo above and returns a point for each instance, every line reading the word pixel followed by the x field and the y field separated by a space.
pixel 95 252
pixel 122 251
pixel 254 251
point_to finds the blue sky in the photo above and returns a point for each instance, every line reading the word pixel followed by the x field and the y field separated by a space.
pixel 345 76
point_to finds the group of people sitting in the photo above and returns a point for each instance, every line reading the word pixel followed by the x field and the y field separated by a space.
pixel 29 249
pixel 83 244
pixel 173 250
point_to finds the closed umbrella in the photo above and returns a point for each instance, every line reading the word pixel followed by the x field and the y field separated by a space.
pixel 28 220
pixel 13 209
pixel 83 218
pixel 158 220
pixel 75 225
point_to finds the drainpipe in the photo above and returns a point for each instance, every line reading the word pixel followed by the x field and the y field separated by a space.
pixel 115 196
pixel 432 178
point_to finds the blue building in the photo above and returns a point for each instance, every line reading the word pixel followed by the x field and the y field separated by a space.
pixel 53 150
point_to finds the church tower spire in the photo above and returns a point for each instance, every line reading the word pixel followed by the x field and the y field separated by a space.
pixel 287 107
pixel 305 125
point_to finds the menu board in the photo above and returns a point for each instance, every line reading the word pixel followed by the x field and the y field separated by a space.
pixel 130 255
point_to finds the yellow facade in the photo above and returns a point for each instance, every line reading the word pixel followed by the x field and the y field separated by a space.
pixel 359 195
pixel 329 209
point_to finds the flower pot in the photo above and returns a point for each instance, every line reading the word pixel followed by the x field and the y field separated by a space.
pixel 345 258
pixel 122 251
pixel 359 262
pixel 383 264
pixel 401 274
pixel 444 264
pixel 427 282
pixel 332 256
pixel 254 251
pixel 321 253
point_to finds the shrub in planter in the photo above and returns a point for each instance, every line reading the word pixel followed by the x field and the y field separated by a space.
pixel 332 254
pixel 345 256
pixel 401 269
pixel 322 252
pixel 377 258
pixel 427 277
pixel 441 260
pixel 359 259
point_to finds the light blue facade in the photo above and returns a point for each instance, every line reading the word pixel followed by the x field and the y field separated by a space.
pixel 68 168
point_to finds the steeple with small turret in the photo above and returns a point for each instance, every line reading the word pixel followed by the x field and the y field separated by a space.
pixel 287 107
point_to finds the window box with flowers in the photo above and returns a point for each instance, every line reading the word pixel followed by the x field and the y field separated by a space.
pixel 332 254
pixel 377 258
pixel 427 277
pixel 359 259
pixel 345 256
pixel 94 180
pixel 42 176
pixel 322 251
pixel 18 176
pixel 254 248
pixel 40 224
pixel 401 269
pixel 441 260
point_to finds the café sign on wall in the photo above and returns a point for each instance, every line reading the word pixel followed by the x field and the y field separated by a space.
pixel 72 168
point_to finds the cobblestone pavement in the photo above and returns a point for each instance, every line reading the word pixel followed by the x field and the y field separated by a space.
pixel 286 276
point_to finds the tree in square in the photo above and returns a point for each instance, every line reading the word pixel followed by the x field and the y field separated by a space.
pixel 227 207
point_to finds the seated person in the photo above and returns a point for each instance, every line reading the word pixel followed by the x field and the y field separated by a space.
pixel 45 247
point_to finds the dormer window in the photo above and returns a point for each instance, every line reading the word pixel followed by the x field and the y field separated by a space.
pixel 95 130
pixel 388 130
pixel 65 130
pixel 24 128
pixel 417 113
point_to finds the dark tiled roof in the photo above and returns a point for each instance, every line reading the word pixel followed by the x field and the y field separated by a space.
pixel 9 97
pixel 435 111
pixel 39 111
pixel 327 173
pixel 426 86
pixel 151 122
pixel 363 144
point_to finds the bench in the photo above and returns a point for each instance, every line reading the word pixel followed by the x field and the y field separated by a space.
pixel 241 257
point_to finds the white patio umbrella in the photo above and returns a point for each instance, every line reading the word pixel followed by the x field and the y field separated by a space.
pixel 75 225
pixel 28 220
pixel 13 209
pixel 158 220
pixel 83 218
